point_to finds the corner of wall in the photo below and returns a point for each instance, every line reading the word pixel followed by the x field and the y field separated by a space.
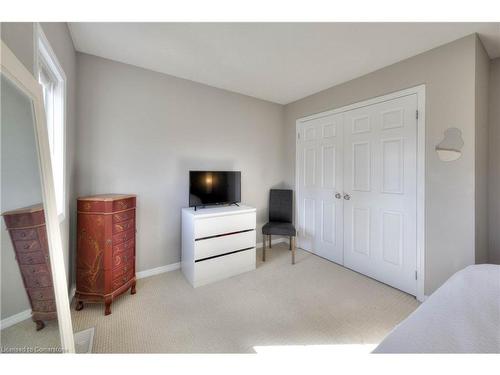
pixel 494 162
pixel 482 65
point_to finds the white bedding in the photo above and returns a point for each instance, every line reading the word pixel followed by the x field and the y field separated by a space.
pixel 462 316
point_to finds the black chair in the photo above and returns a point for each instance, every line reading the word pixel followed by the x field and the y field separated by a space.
pixel 280 219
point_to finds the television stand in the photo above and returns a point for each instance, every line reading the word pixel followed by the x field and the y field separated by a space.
pixel 217 243
pixel 216 205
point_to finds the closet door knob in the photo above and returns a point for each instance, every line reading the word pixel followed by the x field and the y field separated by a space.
pixel 338 195
pixel 347 197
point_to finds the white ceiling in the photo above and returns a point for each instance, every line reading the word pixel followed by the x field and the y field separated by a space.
pixel 279 62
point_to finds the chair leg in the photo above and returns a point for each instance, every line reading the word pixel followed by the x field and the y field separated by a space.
pixel 290 243
pixel 264 248
pixel 270 245
pixel 292 240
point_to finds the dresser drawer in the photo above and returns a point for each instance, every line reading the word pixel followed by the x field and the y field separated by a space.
pixel 36 276
pixel 124 204
pixel 91 206
pixel 219 268
pixel 24 234
pixel 27 246
pixel 123 216
pixel 35 257
pixel 124 246
pixel 25 219
pixel 41 294
pixel 224 244
pixel 124 226
pixel 122 258
pixel 124 269
pixel 123 236
pixel 213 226
pixel 44 306
pixel 122 279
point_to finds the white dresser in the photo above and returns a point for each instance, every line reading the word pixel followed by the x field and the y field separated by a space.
pixel 217 243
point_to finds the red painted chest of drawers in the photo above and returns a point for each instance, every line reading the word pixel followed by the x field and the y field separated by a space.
pixel 27 232
pixel 105 259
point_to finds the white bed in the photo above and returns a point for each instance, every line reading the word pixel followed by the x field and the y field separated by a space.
pixel 462 316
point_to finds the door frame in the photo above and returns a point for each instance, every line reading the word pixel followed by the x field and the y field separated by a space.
pixel 420 92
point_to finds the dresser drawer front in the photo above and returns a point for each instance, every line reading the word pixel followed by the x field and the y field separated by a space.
pixel 91 206
pixel 24 234
pixel 213 226
pixel 124 226
pixel 122 279
pixel 36 276
pixel 224 244
pixel 124 269
pixel 123 236
pixel 35 257
pixel 124 246
pixel 25 220
pixel 44 306
pixel 123 216
pixel 122 258
pixel 28 246
pixel 41 294
pixel 123 204
pixel 219 268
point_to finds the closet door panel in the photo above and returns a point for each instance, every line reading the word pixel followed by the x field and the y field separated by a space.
pixel 380 187
pixel 320 153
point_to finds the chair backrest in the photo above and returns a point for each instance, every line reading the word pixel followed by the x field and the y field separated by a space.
pixel 281 205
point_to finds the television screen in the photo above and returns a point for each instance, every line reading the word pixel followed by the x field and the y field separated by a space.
pixel 214 187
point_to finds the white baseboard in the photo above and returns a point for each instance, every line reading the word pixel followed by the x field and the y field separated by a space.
pixel 14 319
pixel 26 314
pixel 23 315
pixel 176 266
pixel 158 270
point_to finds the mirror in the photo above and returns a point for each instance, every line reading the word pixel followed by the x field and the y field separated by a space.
pixel 34 297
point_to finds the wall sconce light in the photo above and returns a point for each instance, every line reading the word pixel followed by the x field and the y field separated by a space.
pixel 450 148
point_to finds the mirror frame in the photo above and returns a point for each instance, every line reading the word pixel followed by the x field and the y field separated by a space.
pixel 17 73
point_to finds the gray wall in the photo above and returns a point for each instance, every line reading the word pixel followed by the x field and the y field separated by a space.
pixel 449 75
pixel 481 145
pixel 19 38
pixel 494 162
pixel 141 132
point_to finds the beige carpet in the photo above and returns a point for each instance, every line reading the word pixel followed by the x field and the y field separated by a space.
pixel 315 302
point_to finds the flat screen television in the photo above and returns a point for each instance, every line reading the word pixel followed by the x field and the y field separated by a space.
pixel 208 188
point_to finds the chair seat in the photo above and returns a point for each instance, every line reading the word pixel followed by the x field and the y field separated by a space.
pixel 279 228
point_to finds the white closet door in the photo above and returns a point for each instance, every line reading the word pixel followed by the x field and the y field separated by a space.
pixel 380 169
pixel 320 158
